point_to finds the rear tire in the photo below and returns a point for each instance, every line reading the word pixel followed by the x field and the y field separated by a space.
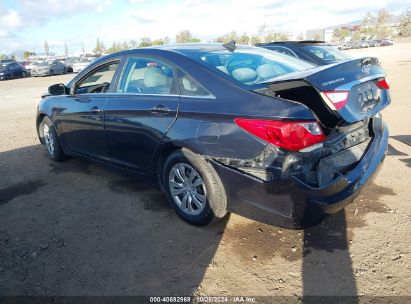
pixel 51 140
pixel 193 188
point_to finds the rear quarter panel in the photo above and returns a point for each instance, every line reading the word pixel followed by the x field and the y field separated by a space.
pixel 206 125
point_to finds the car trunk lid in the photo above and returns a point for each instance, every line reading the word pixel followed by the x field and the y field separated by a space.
pixel 361 80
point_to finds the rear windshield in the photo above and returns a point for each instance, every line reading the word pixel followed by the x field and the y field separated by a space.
pixel 250 65
pixel 326 53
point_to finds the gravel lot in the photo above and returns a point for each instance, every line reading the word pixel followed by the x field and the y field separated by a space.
pixel 75 228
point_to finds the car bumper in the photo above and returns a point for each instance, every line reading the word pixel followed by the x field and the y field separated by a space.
pixel 36 73
pixel 294 204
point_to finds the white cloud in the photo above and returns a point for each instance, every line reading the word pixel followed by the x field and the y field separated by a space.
pixel 11 19
pixel 206 19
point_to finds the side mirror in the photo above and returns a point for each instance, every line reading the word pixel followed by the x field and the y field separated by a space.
pixel 57 89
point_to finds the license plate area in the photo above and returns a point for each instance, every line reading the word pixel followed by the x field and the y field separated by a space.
pixel 340 163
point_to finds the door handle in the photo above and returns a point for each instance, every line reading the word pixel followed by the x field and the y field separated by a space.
pixel 160 110
pixel 96 110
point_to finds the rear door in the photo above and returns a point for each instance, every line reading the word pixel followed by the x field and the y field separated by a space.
pixel 140 111
pixel 81 114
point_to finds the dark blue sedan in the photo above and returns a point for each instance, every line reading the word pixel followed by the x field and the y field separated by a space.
pixel 225 128
pixel 11 69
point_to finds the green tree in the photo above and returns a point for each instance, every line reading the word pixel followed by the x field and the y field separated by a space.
pixel 376 26
pixel 340 34
pixel 99 48
pixel 276 36
pixel 227 37
pixel 404 28
pixel 27 54
pixel 244 39
pixel 46 48
pixel 255 39
pixel 161 41
pixel 133 44
pixel 124 46
pixel 185 37
pixel 356 35
pixel 383 20
pixel 145 42
pixel 114 48
pixel 2 56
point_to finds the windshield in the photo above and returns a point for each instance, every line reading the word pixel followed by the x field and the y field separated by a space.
pixel 250 65
pixel 327 53
pixel 43 63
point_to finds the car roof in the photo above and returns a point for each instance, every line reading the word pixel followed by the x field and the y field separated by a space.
pixel 181 48
pixel 294 43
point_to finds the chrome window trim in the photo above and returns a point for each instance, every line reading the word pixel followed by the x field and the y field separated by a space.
pixel 161 95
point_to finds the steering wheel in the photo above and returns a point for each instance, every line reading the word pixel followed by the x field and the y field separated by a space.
pixel 99 88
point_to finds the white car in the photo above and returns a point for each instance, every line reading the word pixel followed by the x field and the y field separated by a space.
pixel 81 64
pixel 31 66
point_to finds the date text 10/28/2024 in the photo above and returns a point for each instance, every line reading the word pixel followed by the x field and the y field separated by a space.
pixel 203 299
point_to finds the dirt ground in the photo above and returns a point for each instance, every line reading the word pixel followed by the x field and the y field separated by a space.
pixel 75 228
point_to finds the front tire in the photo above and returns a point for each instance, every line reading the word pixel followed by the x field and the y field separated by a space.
pixel 193 188
pixel 51 140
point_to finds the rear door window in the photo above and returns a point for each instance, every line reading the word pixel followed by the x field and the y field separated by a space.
pixel 188 86
pixel 146 76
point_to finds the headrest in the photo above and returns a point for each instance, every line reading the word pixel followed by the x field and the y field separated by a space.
pixel 266 71
pixel 154 77
pixel 244 74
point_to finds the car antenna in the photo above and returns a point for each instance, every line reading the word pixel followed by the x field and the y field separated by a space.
pixel 230 46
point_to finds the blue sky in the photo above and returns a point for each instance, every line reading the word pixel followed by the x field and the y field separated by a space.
pixel 26 24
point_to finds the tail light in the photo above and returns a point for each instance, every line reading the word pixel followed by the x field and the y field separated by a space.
pixel 290 135
pixel 337 98
pixel 382 84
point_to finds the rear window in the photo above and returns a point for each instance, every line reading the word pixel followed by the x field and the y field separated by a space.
pixel 327 53
pixel 250 65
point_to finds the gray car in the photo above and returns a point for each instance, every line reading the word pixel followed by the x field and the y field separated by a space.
pixel 46 68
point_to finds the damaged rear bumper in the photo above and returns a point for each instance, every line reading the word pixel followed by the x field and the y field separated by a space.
pixel 294 204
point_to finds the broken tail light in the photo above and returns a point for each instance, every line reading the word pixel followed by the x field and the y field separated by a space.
pixel 382 84
pixel 337 98
pixel 289 135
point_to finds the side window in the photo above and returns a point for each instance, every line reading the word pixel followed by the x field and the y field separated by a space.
pixel 190 87
pixel 282 50
pixel 99 80
pixel 146 76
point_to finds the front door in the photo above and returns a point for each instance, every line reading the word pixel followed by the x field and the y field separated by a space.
pixel 81 114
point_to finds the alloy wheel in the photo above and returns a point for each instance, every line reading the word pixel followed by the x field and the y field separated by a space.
pixel 48 138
